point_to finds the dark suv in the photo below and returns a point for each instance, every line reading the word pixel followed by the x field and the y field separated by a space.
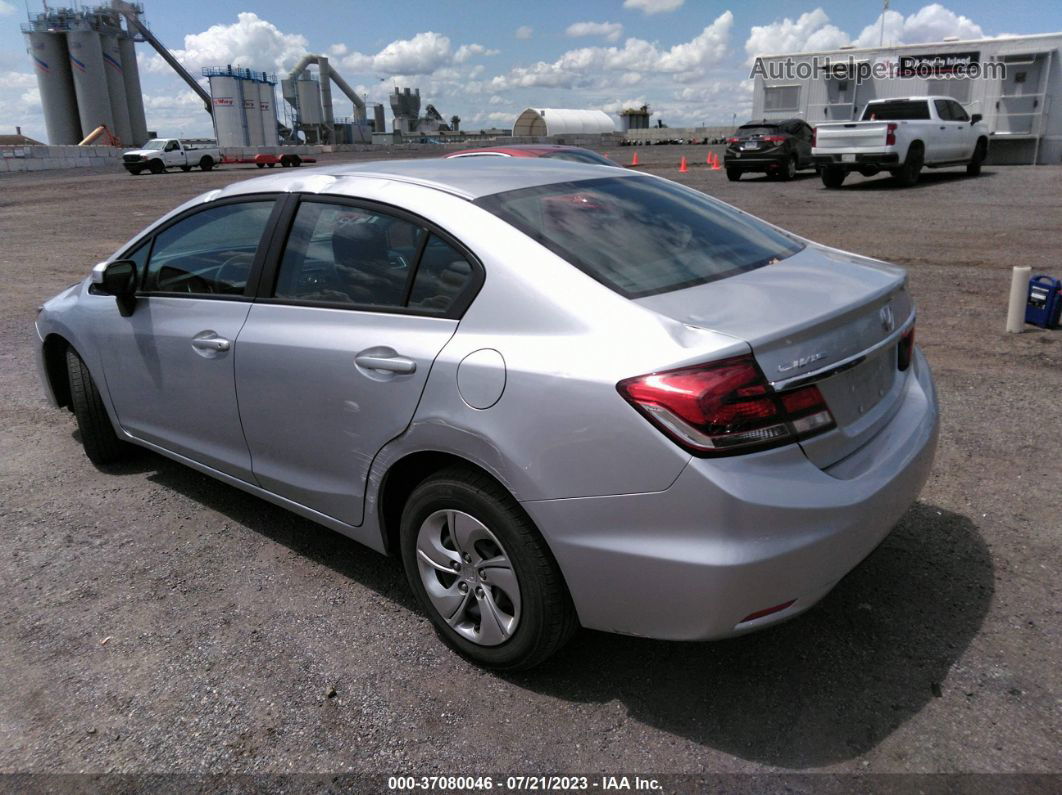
pixel 779 148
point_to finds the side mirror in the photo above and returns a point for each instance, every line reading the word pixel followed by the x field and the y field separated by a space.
pixel 117 278
pixel 976 118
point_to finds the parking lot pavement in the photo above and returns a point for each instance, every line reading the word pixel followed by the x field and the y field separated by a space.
pixel 155 620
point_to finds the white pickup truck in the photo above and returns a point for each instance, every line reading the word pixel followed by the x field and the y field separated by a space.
pixel 158 154
pixel 901 136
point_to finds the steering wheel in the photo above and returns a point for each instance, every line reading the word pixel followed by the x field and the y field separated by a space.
pixel 240 264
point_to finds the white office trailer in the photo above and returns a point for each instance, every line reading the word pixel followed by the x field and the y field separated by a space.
pixel 1014 82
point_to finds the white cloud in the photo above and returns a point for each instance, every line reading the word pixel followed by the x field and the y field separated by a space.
pixel 6 8
pixel 611 31
pixel 337 50
pixel 468 51
pixel 810 31
pixel 250 42
pixel 524 32
pixel 813 31
pixel 653 6
pixel 580 67
pixel 421 55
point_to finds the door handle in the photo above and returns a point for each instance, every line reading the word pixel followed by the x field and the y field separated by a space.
pixel 210 344
pixel 391 364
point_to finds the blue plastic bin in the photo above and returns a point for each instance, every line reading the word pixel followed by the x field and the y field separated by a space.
pixel 1044 302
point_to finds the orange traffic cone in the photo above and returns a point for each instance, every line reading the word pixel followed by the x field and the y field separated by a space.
pixel 715 162
pixel 683 168
pixel 634 160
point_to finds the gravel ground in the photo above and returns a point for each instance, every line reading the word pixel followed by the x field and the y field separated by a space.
pixel 153 620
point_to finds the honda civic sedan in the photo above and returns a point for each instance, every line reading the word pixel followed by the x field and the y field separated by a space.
pixel 563 394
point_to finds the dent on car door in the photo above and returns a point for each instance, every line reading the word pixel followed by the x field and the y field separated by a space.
pixel 333 359
pixel 169 365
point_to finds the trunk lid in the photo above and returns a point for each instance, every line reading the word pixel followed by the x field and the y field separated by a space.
pixel 821 315
pixel 850 135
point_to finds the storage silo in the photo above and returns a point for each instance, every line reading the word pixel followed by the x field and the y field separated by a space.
pixel 226 95
pixel 268 110
pixel 90 83
pixel 133 94
pixel 51 62
pixel 309 96
pixel 252 113
pixel 112 67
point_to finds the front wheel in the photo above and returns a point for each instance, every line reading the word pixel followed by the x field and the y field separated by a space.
pixel 134 171
pixel 733 174
pixel 101 443
pixel 156 167
pixel 482 572
pixel 973 168
pixel 833 177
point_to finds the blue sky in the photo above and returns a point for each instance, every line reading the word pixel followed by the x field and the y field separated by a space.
pixel 487 61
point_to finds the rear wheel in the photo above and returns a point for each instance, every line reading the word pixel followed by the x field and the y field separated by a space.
pixel 101 443
pixel 733 174
pixel 832 176
pixel 789 170
pixel 206 163
pixel 973 168
pixel 482 572
pixel 907 175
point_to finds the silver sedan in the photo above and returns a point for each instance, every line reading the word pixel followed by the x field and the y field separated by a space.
pixel 564 395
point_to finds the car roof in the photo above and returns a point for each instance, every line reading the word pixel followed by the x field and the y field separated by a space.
pixel 467 177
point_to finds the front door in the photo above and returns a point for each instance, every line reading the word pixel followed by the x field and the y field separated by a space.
pixel 169 366
pixel 331 364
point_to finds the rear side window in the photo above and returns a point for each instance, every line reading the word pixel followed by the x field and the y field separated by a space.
pixel 441 277
pixel 912 110
pixel 340 254
pixel 208 253
pixel 641 235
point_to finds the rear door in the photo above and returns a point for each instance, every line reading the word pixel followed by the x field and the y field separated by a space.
pixel 334 355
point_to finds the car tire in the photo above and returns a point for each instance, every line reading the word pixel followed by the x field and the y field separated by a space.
pixel 134 171
pixel 733 174
pixel 528 628
pixel 789 171
pixel 907 175
pixel 186 169
pixel 206 163
pixel 260 165
pixel 101 443
pixel 973 168
pixel 833 177
pixel 156 167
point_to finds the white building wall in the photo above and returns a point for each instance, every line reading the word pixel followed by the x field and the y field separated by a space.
pixel 1023 118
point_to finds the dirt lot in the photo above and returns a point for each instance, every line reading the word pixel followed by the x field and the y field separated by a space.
pixel 228 621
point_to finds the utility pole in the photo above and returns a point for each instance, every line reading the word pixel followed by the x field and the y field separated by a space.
pixel 884 8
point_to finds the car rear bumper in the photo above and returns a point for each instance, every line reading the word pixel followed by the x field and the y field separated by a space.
pixel 753 161
pixel 734 536
pixel 882 159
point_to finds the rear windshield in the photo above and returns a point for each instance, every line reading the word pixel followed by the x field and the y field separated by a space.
pixel 916 110
pixel 757 129
pixel 639 235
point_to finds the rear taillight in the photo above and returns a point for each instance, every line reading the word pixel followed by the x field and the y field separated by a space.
pixel 890 135
pixel 733 140
pixel 774 139
pixel 905 349
pixel 815 136
pixel 726 407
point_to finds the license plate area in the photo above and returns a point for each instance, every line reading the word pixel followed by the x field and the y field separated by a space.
pixel 750 145
pixel 848 158
pixel 853 394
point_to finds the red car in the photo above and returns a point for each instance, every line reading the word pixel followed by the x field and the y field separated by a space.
pixel 556 151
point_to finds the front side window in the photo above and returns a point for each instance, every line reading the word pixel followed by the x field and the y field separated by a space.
pixel 208 253
pixel 958 112
pixel 639 235
pixel 943 110
pixel 346 255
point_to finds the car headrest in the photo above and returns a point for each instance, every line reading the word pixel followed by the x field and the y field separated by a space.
pixel 359 243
